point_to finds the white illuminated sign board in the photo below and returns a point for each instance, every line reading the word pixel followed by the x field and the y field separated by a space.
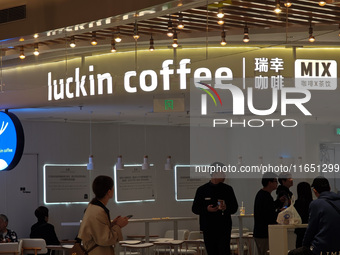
pixel 134 185
pixel 185 184
pixel 66 183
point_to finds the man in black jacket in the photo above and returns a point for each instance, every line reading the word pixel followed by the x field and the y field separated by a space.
pixel 42 229
pixel 214 202
pixel 264 212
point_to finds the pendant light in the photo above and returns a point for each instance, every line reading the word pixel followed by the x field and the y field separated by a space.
pixel 119 164
pixel 145 165
pixel 22 54
pixel 246 34
pixel 168 165
pixel 311 36
pixel 72 42
pixel 277 9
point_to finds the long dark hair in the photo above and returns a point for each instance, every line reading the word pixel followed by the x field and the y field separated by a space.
pixel 304 192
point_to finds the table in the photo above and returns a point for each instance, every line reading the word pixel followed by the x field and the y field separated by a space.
pixel 240 230
pixel 147 222
pixel 282 238
pixel 175 221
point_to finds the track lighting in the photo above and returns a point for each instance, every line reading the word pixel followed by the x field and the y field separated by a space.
pixel 135 32
pixel 277 9
pixel 223 41
pixel 118 39
pixel 220 13
pixel 113 46
pixel 246 34
pixel 220 21
pixel 22 54
pixel 94 39
pixel 36 50
pixel 322 3
pixel 311 37
pixel 288 3
pixel 151 48
pixel 175 42
pixel 180 21
pixel 170 32
pixel 73 42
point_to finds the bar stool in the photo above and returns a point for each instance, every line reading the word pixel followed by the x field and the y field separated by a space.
pixel 139 248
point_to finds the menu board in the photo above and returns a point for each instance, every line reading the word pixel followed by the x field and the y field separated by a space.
pixel 185 183
pixel 134 184
pixel 66 184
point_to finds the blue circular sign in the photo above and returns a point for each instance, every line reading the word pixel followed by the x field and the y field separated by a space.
pixel 12 141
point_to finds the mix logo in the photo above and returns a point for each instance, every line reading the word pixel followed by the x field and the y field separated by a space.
pixel 316 74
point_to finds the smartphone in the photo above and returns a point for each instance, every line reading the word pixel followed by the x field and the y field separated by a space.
pixel 129 216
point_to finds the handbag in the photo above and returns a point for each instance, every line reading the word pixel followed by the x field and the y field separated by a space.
pixel 289 215
pixel 78 249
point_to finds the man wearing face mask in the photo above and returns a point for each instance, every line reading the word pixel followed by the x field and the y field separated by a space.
pixel 214 202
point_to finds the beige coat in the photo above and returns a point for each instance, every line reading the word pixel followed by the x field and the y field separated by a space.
pixel 96 229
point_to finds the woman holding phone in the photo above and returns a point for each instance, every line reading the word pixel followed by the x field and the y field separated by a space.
pixel 97 232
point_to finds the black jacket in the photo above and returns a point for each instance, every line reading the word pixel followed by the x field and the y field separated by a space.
pixel 44 230
pixel 209 194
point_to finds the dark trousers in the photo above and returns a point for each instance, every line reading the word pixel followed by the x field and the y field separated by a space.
pixel 217 242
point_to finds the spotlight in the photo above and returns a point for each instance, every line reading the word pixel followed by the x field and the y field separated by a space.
pixel 35 36
pixel 36 50
pixel 118 39
pixel 151 48
pixel 73 42
pixel 246 34
pixel 220 21
pixel 175 42
pixel 220 13
pixel 288 3
pixel 135 32
pixel 277 9
pixel 22 54
pixel 322 3
pixel 311 37
pixel 94 39
pixel 180 21
pixel 170 28
pixel 223 41
pixel 113 46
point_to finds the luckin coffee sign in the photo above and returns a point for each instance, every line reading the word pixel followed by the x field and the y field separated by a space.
pixel 316 74
pixel 11 141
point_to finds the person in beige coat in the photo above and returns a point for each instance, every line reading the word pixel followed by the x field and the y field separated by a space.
pixel 96 228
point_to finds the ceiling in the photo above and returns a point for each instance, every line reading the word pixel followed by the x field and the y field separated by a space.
pixel 289 28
